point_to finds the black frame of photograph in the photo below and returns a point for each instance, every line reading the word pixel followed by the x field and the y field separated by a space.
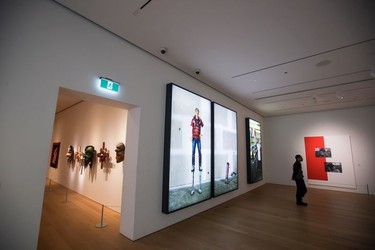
pixel 254 163
pixel 225 150
pixel 179 176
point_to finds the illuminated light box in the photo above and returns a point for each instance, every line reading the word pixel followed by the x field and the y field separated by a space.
pixel 108 84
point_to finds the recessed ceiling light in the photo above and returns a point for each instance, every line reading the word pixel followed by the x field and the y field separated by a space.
pixel 323 63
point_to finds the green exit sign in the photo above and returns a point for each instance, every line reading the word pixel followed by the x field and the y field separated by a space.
pixel 109 84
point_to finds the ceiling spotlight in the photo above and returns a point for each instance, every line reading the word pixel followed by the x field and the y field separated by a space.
pixel 197 71
pixel 163 50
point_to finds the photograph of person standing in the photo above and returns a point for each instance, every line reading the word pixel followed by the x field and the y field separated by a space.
pixel 196 124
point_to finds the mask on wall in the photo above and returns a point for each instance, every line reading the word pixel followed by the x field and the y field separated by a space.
pixel 70 154
pixel 79 155
pixel 120 152
pixel 88 156
pixel 103 155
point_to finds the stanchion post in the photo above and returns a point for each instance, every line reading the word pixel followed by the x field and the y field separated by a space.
pixel 49 185
pixel 66 195
pixel 101 224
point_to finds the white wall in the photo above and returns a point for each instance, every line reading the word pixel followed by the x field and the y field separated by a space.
pixel 90 124
pixel 284 138
pixel 44 46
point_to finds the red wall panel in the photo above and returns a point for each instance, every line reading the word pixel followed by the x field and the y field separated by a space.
pixel 315 165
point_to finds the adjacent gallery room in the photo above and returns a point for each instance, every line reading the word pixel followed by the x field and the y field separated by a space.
pixel 87 153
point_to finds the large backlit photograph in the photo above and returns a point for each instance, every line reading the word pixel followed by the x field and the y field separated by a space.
pixel 187 149
pixel 225 176
pixel 254 151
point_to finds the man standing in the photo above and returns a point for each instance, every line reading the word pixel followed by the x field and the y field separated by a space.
pixel 196 124
pixel 300 183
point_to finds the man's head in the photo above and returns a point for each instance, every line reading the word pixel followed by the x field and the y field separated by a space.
pixel 299 158
pixel 196 111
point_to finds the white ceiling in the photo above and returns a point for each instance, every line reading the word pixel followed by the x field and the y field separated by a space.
pixel 275 57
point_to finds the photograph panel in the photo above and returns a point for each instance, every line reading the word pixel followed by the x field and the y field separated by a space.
pixel 225 174
pixel 323 153
pixel 187 156
pixel 333 167
pixel 254 151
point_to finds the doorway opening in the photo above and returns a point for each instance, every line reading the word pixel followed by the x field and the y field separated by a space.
pixel 88 126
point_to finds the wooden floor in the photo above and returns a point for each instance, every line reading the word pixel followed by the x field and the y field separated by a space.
pixel 265 218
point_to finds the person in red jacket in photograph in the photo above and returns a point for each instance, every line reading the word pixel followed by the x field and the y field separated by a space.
pixel 196 124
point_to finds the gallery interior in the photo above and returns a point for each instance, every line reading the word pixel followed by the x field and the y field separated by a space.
pixel 55 58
